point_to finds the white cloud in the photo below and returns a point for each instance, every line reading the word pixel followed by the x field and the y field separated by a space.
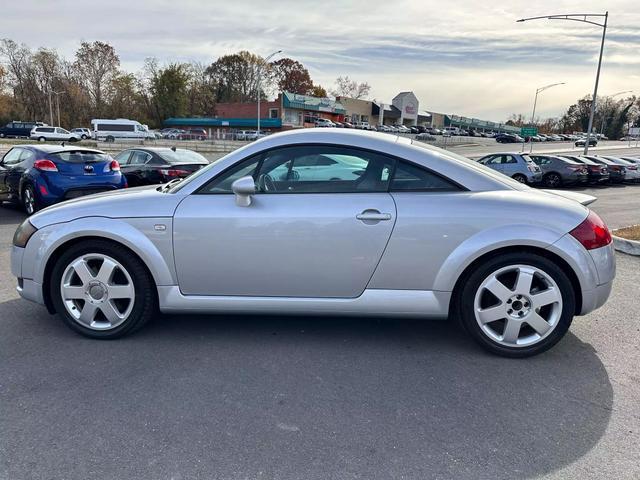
pixel 459 57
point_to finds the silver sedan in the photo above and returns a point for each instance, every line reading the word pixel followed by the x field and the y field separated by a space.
pixel 410 231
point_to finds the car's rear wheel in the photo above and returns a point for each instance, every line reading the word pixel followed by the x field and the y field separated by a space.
pixel 102 290
pixel 520 178
pixel 109 139
pixel 29 200
pixel 42 139
pixel 552 180
pixel 517 304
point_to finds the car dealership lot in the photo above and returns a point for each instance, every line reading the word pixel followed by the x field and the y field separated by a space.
pixel 271 397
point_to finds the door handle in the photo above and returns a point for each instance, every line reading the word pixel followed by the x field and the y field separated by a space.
pixel 373 216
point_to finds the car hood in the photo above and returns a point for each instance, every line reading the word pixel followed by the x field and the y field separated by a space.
pixel 138 202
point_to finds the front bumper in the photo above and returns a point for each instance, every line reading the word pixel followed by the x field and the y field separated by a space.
pixel 27 288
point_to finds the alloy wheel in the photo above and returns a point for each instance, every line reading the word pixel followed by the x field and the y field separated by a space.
pixel 29 201
pixel 518 306
pixel 97 291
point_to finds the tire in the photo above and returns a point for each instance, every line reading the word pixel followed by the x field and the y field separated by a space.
pixel 2 135
pixel 83 137
pixel 29 200
pixel 134 307
pixel 42 139
pixel 110 139
pixel 485 316
pixel 520 178
pixel 552 180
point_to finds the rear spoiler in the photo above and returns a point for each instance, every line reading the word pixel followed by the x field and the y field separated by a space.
pixel 578 197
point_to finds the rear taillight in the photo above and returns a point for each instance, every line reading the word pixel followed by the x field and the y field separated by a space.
pixel 45 166
pixel 115 166
pixel 532 167
pixel 174 173
pixel 592 233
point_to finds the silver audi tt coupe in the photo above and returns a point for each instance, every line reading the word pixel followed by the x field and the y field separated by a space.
pixel 325 222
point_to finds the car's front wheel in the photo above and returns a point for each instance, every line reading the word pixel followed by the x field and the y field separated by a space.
pixel 517 304
pixel 102 290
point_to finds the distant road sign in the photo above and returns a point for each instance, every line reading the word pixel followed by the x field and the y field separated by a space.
pixel 528 131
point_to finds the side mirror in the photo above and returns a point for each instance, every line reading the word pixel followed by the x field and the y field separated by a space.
pixel 243 188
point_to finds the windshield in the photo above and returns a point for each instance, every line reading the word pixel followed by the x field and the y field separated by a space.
pixel 183 156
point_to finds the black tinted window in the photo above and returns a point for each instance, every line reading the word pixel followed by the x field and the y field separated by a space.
pixel 80 157
pixel 333 170
pixel 222 183
pixel 408 177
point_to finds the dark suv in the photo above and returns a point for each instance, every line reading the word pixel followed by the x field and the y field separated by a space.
pixel 18 129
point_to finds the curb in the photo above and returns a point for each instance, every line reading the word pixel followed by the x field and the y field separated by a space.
pixel 630 247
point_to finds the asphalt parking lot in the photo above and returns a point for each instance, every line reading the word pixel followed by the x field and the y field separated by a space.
pixel 237 397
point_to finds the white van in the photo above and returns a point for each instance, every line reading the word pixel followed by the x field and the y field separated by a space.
pixel 121 128
pixel 448 131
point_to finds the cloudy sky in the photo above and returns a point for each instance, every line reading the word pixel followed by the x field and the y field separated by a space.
pixel 463 57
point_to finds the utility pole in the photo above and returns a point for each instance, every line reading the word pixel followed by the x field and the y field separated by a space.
pixel 260 73
pixel 50 110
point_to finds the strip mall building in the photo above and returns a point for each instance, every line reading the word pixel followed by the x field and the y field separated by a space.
pixel 291 110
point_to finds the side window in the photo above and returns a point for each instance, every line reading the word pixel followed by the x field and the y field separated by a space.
pixel 408 177
pixel 222 183
pixel 139 158
pixel 508 159
pixel 494 160
pixel 26 155
pixel 332 170
pixel 123 157
pixel 12 157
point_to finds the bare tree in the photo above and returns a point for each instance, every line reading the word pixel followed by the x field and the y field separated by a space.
pixel 97 63
pixel 345 87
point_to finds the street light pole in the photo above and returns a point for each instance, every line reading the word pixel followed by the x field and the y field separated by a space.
pixel 584 18
pixel 259 74
pixel 57 94
pixel 535 102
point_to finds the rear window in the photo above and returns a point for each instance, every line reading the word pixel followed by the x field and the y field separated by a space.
pixel 80 157
pixel 183 156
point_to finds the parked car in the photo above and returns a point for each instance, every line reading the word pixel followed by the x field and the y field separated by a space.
pixel 17 129
pixel 508 138
pixel 323 122
pixel 228 239
pixel 193 134
pixel 632 174
pixel 84 133
pixel 55 134
pixel 558 171
pixel 37 176
pixel 362 125
pixel 383 128
pixel 597 173
pixel 515 165
pixel 617 173
pixel 155 165
pixel 402 129
pixel 425 137
pixel 347 125
pixel 593 141
pixel 171 133
pixel 414 129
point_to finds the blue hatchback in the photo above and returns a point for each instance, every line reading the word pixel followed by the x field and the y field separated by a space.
pixel 40 175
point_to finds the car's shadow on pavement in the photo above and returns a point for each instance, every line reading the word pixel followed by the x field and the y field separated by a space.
pixel 11 214
pixel 245 396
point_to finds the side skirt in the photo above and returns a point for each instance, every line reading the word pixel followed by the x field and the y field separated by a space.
pixel 381 303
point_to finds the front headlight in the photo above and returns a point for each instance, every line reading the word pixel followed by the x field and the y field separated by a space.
pixel 23 234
